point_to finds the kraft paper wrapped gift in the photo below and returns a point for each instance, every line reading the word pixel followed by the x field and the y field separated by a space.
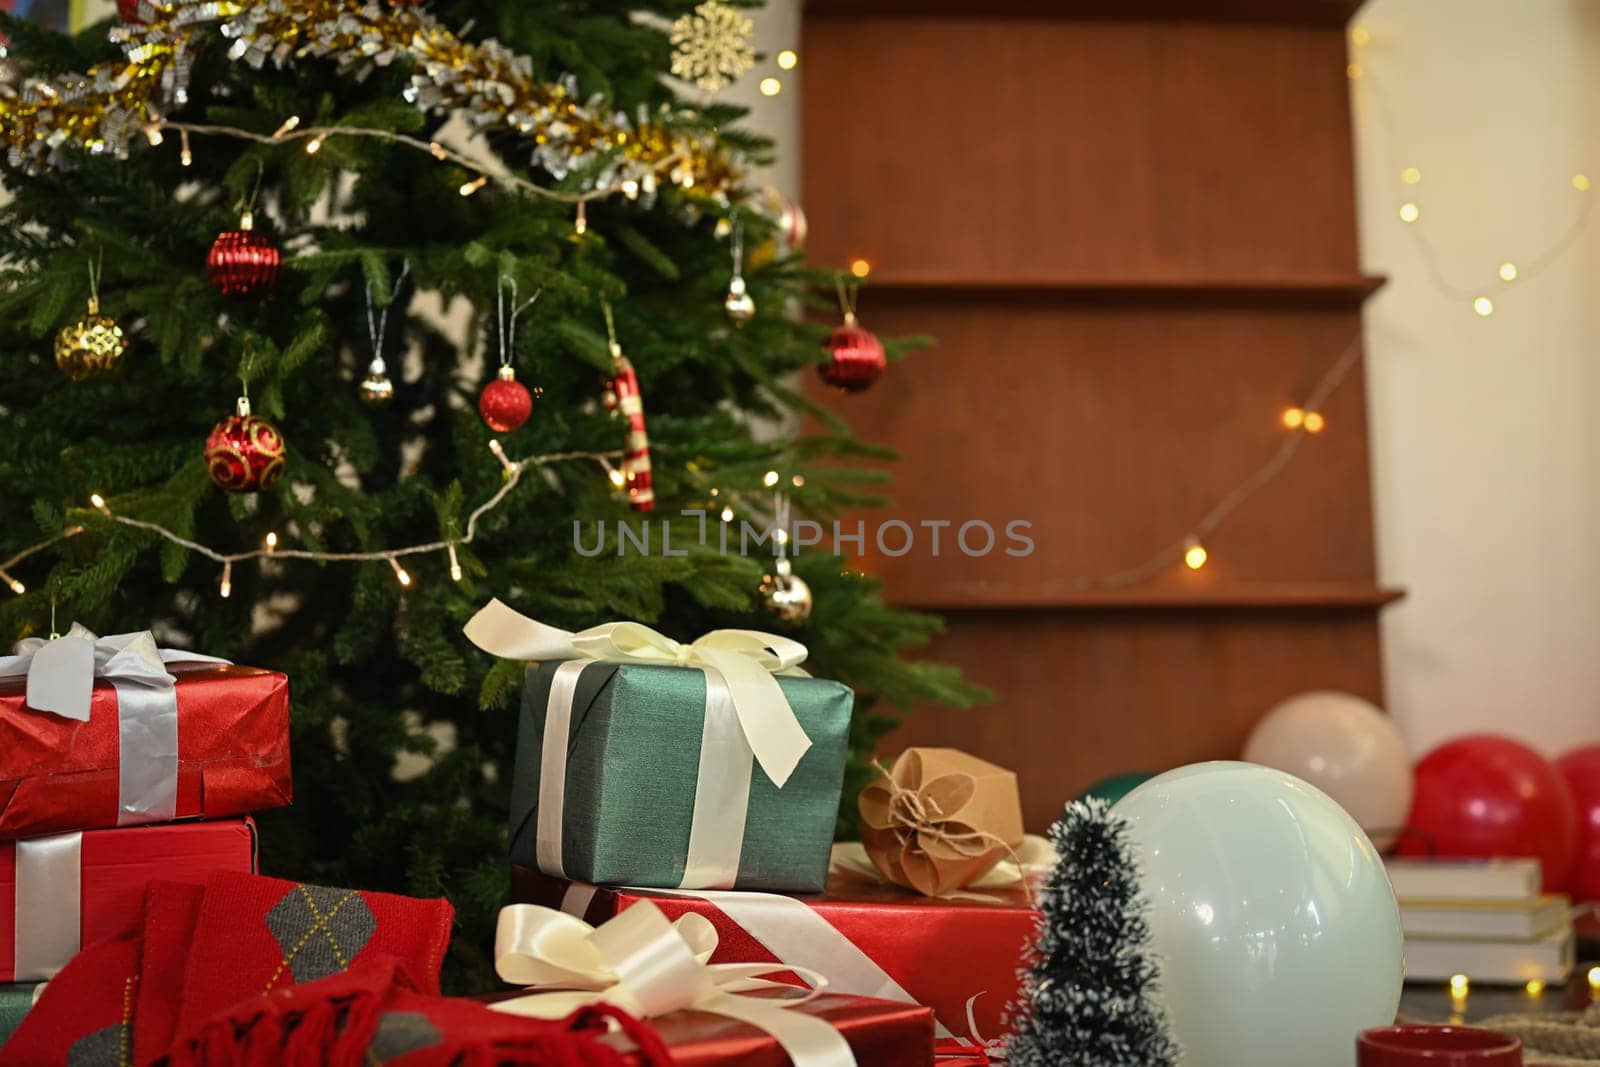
pixel 114 731
pixel 642 761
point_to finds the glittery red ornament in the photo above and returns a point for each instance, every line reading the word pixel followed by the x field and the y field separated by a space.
pixel 856 357
pixel 244 452
pixel 505 403
pixel 128 10
pixel 243 262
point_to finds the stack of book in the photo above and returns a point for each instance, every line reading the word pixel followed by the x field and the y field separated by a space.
pixel 1486 919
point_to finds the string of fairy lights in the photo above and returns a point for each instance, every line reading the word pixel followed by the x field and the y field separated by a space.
pixel 1480 297
pixel 273 548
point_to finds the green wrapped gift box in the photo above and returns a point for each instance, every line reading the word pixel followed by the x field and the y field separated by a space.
pixel 16 999
pixel 634 763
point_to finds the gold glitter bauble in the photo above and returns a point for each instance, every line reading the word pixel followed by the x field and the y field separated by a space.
pixel 90 345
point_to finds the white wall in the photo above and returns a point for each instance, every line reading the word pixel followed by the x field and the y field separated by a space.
pixel 1485 431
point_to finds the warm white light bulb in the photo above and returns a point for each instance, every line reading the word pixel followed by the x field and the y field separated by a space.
pixel 727 514
pixel 314 145
pixel 1411 175
pixel 17 587
pixel 272 542
pixel 798 480
pixel 1534 987
pixel 1314 422
pixel 1483 306
pixel 473 186
pixel 1410 212
pixel 770 479
pixel 1508 271
pixel 618 479
pixel 400 572
pixel 1459 985
pixel 225 588
pixel 98 501
pixel 771 87
pixel 287 128
pixel 1594 979
pixel 455 564
pixel 860 268
pixel 788 59
pixel 1294 418
pixel 1195 556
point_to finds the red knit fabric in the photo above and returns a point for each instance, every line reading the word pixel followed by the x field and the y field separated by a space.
pixel 255 935
pixel 92 1000
pixel 370 1014
pixel 195 985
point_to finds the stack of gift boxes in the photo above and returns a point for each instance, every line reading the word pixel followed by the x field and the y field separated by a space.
pixel 120 763
pixel 705 780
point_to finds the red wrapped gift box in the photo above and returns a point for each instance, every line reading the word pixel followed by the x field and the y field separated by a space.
pixel 58 774
pixel 959 957
pixel 880 1033
pixel 113 867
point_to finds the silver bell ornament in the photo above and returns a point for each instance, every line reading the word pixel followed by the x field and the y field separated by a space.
pixel 740 306
pixel 377 388
pixel 786 594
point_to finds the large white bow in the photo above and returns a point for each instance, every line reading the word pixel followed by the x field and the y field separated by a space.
pixel 61 671
pixel 745 659
pixel 648 966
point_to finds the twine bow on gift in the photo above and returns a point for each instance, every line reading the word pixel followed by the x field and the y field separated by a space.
pixel 743 660
pixel 939 834
pixel 649 967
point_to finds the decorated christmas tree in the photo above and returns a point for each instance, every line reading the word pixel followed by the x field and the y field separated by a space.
pixel 1087 994
pixel 344 210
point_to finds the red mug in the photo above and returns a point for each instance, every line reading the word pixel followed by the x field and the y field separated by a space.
pixel 1437 1046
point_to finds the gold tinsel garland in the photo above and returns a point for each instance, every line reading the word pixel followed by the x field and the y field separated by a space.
pixel 106 109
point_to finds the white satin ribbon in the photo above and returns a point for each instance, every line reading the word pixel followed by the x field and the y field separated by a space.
pixel 48 905
pixel 648 967
pixel 747 720
pixel 60 681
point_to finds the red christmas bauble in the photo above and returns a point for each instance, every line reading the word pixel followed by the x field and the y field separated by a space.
pixel 505 403
pixel 243 262
pixel 1581 768
pixel 244 452
pixel 1484 797
pixel 128 10
pixel 856 358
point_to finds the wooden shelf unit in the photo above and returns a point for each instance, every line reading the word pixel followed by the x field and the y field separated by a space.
pixel 1131 229
pixel 1283 597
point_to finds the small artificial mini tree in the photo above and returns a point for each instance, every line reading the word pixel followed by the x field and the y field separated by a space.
pixel 1087 990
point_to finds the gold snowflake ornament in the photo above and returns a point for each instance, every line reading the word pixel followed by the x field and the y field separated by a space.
pixel 711 46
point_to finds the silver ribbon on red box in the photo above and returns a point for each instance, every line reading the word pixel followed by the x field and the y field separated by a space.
pixel 61 673
pixel 48 906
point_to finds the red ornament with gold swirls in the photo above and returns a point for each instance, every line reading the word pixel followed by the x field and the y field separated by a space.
pixel 244 452
pixel 243 262
pixel 856 357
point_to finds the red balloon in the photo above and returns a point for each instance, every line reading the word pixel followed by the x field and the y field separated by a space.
pixel 1487 796
pixel 1581 768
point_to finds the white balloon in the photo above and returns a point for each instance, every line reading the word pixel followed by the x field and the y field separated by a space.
pixel 1345 747
pixel 1276 931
